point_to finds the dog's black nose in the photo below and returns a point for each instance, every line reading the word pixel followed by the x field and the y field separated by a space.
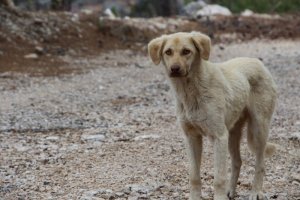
pixel 175 68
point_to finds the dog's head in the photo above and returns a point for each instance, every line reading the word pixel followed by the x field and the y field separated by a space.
pixel 179 51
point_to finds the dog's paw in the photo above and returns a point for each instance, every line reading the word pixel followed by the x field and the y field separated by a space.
pixel 221 197
pixel 257 196
pixel 230 194
pixel 195 195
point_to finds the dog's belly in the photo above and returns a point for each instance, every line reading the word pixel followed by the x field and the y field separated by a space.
pixel 234 114
pixel 237 100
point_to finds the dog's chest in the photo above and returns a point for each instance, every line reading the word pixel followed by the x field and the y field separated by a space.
pixel 196 118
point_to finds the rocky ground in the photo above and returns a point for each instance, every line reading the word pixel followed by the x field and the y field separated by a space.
pixel 110 132
pixel 88 116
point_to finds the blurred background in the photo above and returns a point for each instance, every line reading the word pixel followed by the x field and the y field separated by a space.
pixel 59 27
pixel 153 8
pixel 84 113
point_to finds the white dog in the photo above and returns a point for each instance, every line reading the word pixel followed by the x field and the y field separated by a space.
pixel 217 100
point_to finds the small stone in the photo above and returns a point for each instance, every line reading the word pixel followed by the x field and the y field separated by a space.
pixel 21 148
pixel 119 194
pixel 294 182
pixel 146 137
pixel 39 50
pixel 139 65
pixel 221 47
pixel 31 56
pixel 133 198
pixel 296 178
pixel 295 136
pixel 93 137
pixel 52 138
pixel 38 21
pixel 139 189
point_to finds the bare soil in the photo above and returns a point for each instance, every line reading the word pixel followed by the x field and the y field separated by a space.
pixel 111 133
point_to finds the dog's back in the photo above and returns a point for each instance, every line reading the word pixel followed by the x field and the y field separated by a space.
pixel 251 69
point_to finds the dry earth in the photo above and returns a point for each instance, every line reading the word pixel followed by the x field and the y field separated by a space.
pixel 110 132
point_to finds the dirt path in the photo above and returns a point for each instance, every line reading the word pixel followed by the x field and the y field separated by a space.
pixel 111 133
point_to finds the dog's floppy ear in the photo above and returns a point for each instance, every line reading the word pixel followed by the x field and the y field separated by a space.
pixel 154 49
pixel 202 43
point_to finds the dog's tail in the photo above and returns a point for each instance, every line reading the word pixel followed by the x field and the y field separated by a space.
pixel 269 149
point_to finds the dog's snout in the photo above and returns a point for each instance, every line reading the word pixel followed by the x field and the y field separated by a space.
pixel 175 68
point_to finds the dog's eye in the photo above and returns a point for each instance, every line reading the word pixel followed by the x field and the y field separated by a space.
pixel 168 52
pixel 186 51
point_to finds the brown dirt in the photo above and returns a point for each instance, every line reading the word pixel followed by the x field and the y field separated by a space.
pixel 111 132
pixel 88 37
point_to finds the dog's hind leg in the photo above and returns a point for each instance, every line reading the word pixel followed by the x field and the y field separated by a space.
pixel 258 131
pixel 234 150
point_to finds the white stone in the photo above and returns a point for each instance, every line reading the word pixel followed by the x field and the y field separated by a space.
pixel 93 137
pixel 31 56
pixel 247 12
pixel 52 138
pixel 109 13
pixel 213 9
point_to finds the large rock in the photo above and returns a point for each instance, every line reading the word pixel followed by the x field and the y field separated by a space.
pixel 192 8
pixel 213 9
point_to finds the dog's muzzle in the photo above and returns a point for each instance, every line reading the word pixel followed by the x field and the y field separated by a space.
pixel 175 71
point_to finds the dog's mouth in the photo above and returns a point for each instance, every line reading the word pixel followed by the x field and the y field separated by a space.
pixel 176 74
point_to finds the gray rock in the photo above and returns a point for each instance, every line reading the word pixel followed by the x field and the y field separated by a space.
pixel 296 178
pixel 141 189
pixel 133 198
pixel 192 8
pixel 213 9
pixel 119 194
pixel 146 137
pixel 295 136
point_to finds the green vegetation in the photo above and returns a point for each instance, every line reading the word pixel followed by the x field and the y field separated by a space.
pixel 261 6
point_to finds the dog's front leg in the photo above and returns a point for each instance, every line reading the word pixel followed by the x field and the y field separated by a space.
pixel 220 165
pixel 194 150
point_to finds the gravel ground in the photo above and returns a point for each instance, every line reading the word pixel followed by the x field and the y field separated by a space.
pixel 111 132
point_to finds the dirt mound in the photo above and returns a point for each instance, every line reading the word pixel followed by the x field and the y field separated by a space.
pixel 243 28
pixel 38 42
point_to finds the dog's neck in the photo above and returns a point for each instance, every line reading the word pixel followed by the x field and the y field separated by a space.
pixel 189 89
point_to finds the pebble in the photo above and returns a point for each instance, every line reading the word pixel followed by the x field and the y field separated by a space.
pixel 295 136
pixel 31 56
pixel 21 148
pixel 52 138
pixel 39 50
pixel 146 137
pixel 93 137
pixel 140 188
pixel 296 178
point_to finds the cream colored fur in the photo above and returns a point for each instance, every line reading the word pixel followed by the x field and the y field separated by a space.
pixel 217 100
